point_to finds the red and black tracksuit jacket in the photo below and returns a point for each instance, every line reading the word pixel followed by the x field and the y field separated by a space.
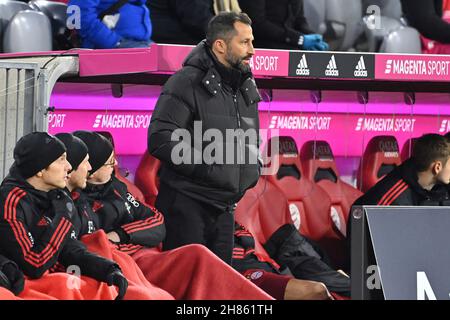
pixel 112 208
pixel 401 188
pixel 244 255
pixel 39 238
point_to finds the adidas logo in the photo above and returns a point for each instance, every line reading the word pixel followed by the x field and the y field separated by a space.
pixel 361 70
pixel 302 67
pixel 332 70
pixel 43 222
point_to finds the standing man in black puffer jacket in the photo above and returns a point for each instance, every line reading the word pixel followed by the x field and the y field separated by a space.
pixel 212 98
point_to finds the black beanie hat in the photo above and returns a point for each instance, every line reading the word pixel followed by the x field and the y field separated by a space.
pixel 35 152
pixel 76 149
pixel 99 147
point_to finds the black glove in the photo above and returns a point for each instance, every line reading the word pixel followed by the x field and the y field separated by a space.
pixel 115 277
pixel 11 277
pixel 62 203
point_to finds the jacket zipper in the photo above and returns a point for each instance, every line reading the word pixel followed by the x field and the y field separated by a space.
pixel 239 137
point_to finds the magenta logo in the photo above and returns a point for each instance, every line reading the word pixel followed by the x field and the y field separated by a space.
pixel 273 122
pixel 375 124
pixel 121 121
pixel 320 123
pixel 359 124
pixel 264 63
pixel 97 121
pixel 270 62
pixel 388 69
pixel 56 120
pixel 445 126
pixel 428 68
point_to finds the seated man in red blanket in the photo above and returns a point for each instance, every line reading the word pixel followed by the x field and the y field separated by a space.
pixel 35 221
pixel 105 203
pixel 85 223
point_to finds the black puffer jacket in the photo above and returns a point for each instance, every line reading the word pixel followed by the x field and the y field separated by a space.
pixel 222 99
pixel 37 232
pixel 180 21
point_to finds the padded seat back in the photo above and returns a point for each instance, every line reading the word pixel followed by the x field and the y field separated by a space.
pixel 308 202
pixel 146 177
pixel 380 157
pixel 320 167
pixel 262 211
pixel 408 148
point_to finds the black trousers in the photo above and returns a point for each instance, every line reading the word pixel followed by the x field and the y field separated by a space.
pixel 191 221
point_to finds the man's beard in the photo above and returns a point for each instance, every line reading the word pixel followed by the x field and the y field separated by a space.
pixel 237 62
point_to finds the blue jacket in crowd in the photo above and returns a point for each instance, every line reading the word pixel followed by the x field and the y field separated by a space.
pixel 134 23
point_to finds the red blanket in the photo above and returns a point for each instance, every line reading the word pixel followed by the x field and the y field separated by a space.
pixel 62 286
pixel 139 288
pixel 193 272
pixel 7 295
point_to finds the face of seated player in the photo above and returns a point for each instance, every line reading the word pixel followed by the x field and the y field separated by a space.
pixel 78 177
pixel 443 175
pixel 103 175
pixel 55 175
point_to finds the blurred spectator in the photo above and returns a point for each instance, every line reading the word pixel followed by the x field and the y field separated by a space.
pixel 107 24
pixel 281 25
pixel 180 21
pixel 428 17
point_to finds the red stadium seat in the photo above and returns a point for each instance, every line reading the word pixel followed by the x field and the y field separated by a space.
pixel 319 166
pixel 408 148
pixel 146 177
pixel 262 211
pixel 133 189
pixel 309 204
pixel 380 157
